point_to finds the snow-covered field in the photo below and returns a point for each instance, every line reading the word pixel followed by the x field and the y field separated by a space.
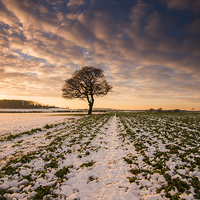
pixel 109 156
pixel 33 110
pixel 12 123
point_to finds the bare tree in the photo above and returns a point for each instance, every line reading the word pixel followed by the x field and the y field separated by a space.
pixel 151 109
pixel 86 83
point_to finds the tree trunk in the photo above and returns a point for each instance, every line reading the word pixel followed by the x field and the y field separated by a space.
pixel 90 108
pixel 90 102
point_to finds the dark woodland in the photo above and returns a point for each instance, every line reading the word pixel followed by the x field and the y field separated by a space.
pixel 10 103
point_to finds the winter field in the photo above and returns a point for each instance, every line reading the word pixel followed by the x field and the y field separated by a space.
pixel 12 123
pixel 116 156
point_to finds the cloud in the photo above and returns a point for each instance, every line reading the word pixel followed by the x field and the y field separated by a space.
pixel 146 48
pixel 75 2
pixel 184 5
pixel 74 33
pixel 193 28
pixel 7 17
pixel 181 4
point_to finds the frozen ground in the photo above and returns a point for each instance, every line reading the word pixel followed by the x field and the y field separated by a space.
pixel 18 122
pixel 111 157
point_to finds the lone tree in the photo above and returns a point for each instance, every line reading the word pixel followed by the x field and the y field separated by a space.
pixel 86 82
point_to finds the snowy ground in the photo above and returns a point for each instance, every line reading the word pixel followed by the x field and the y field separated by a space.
pixel 108 156
pixel 33 110
pixel 12 123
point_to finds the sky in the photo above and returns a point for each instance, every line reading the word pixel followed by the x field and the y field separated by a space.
pixel 149 50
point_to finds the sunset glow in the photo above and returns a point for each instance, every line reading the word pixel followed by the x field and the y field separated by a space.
pixel 149 51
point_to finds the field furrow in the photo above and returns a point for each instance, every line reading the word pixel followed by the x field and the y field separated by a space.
pixel 107 156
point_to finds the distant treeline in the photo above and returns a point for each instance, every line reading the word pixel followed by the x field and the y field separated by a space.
pixel 10 103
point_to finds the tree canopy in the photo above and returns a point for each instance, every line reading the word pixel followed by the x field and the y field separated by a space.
pixel 86 83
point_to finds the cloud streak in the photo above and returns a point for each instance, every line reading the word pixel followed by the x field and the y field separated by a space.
pixel 147 49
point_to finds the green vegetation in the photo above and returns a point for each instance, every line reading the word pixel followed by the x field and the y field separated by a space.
pixel 62 172
pixel 31 132
pixel 168 144
pixel 43 191
pixel 88 164
pixel 162 149
pixel 92 178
